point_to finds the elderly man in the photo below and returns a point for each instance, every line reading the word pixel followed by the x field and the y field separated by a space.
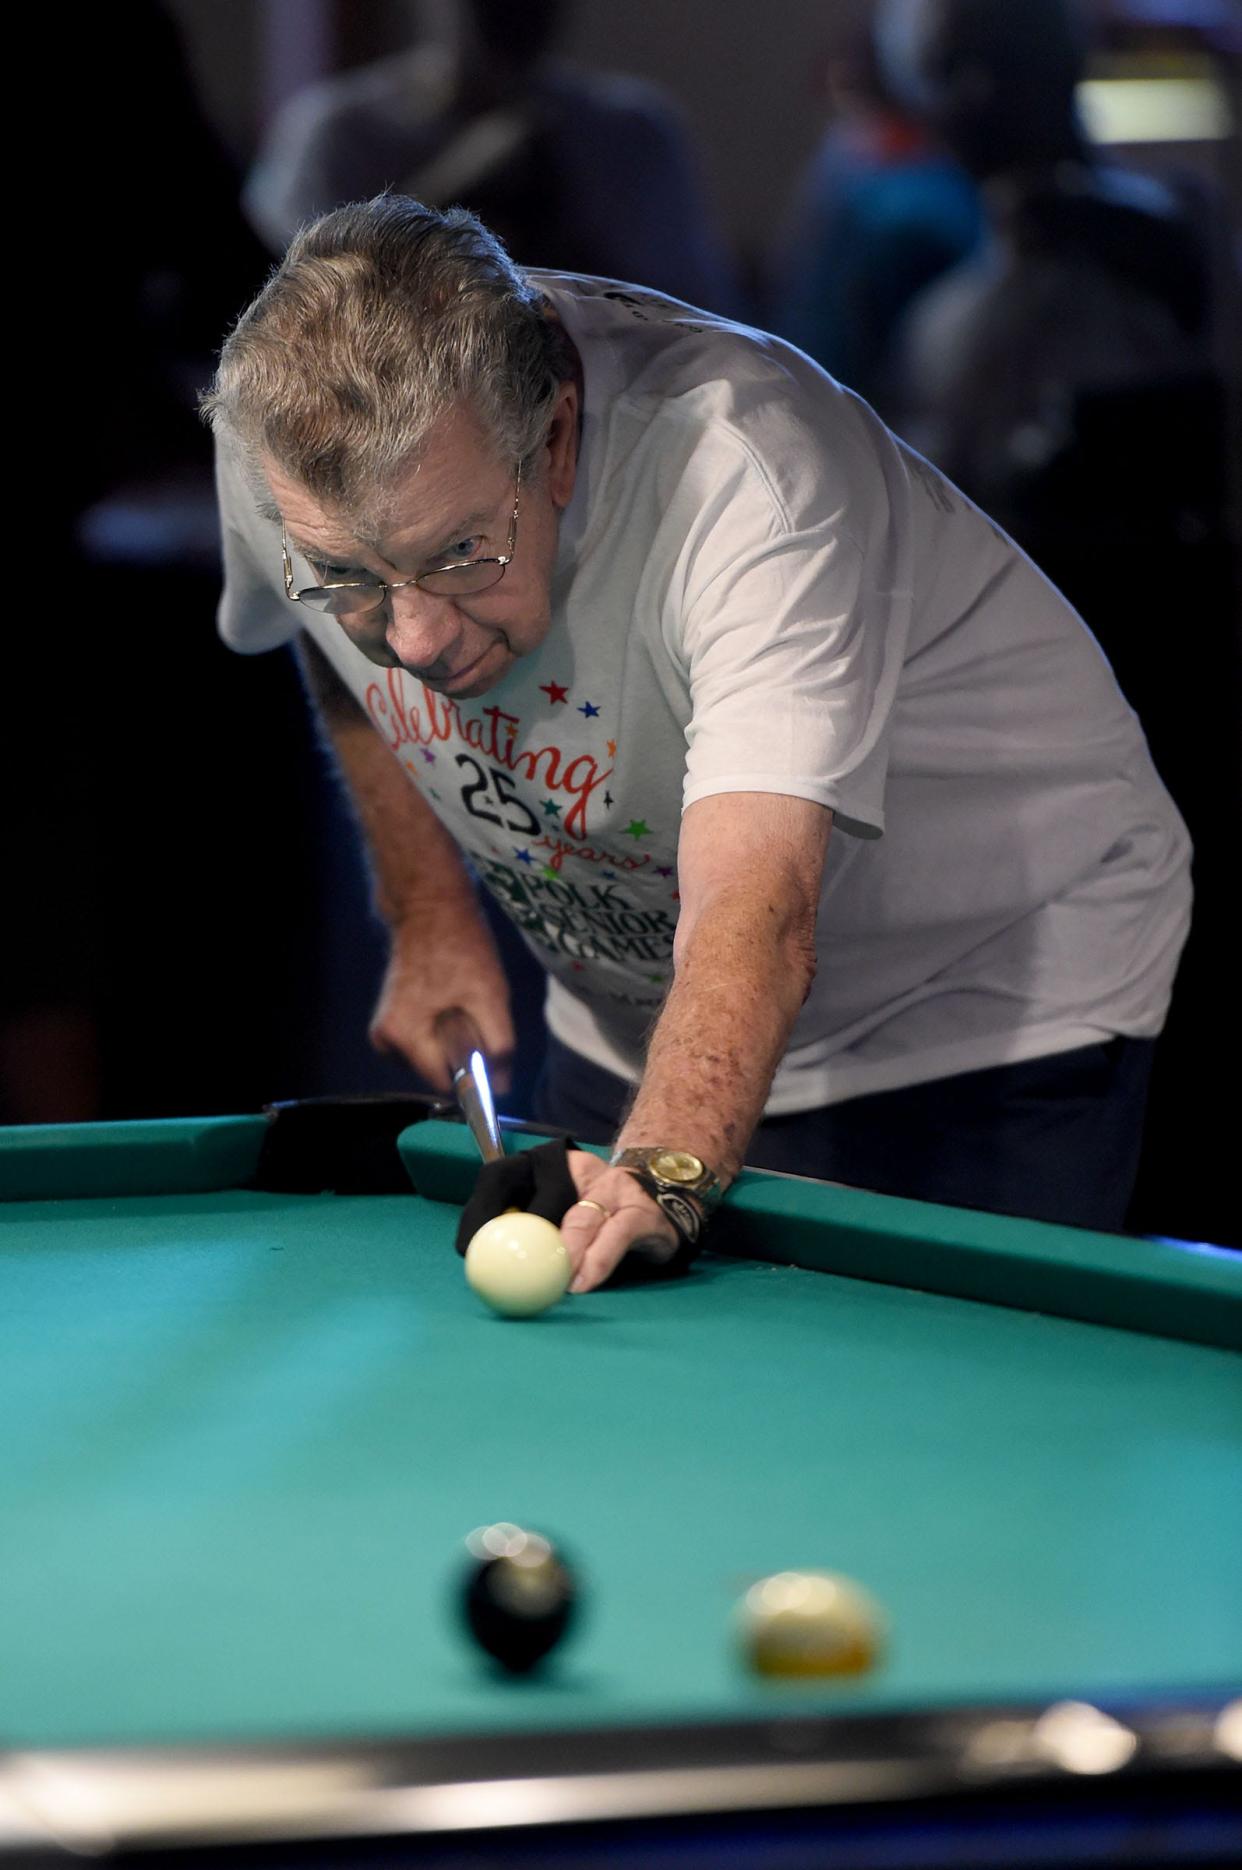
pixel 622 610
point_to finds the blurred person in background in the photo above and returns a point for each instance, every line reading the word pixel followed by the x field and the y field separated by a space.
pixel 1090 299
pixel 881 211
pixel 586 171
pixel 1065 379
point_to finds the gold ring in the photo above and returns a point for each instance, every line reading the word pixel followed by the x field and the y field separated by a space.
pixel 583 1202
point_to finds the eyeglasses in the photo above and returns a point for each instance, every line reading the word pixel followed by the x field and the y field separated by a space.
pixel 464 578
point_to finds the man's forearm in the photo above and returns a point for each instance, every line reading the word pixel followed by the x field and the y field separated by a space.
pixel 416 869
pixel 740 983
pixel 442 956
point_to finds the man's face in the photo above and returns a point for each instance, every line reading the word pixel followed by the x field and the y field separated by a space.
pixel 457 503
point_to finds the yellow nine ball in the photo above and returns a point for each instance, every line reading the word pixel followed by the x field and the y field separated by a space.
pixel 518 1264
pixel 810 1624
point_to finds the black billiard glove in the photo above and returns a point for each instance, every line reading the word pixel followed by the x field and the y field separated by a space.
pixel 536 1180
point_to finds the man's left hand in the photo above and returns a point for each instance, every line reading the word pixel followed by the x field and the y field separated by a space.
pixel 612 1216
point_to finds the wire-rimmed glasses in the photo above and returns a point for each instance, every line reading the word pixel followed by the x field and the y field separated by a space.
pixel 355 596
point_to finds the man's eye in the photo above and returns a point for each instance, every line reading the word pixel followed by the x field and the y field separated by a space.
pixel 338 574
pixel 465 548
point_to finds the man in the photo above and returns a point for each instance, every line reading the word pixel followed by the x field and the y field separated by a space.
pixel 631 611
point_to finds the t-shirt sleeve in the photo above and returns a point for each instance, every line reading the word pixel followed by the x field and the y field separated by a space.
pixel 253 614
pixel 795 620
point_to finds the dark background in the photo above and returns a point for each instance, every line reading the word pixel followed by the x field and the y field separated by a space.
pixel 187 927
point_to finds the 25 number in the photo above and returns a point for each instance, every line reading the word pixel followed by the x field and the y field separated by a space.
pixel 477 797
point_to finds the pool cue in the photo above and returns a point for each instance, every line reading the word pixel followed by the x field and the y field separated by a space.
pixel 463 1051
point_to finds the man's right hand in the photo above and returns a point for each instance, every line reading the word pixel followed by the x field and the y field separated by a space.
pixel 435 966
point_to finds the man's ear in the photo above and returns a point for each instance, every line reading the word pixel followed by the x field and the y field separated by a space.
pixel 562 443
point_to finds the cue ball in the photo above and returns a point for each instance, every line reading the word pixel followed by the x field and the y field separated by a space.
pixel 810 1624
pixel 518 1264
pixel 519 1596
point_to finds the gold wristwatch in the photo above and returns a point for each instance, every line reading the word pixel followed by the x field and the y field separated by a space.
pixel 681 1184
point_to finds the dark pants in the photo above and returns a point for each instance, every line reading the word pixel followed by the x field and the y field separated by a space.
pixel 1056 1139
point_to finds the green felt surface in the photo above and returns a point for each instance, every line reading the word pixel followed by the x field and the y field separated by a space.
pixel 246 1433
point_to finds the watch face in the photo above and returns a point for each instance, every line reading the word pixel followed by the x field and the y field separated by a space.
pixel 677 1165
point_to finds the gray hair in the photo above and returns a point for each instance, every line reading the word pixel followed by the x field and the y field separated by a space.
pixel 381 317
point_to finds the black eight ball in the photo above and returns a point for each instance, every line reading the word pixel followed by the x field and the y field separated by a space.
pixel 519 1596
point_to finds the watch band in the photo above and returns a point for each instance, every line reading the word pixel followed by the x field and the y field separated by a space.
pixel 680 1183
pixel 682 1210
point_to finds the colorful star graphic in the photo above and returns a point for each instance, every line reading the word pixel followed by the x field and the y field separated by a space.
pixel 429 756
pixel 607 799
pixel 589 709
pixel 664 870
pixel 554 691
pixel 612 749
pixel 523 857
pixel 609 876
pixel 551 808
pixel 638 828
pixel 550 875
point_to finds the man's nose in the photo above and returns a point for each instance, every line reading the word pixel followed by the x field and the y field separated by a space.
pixel 421 627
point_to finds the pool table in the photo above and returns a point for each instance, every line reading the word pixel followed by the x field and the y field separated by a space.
pixel 249 1409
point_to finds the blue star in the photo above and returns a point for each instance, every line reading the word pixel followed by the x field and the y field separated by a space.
pixel 589 709
pixel 523 857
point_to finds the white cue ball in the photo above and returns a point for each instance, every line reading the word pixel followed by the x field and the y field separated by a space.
pixel 518 1264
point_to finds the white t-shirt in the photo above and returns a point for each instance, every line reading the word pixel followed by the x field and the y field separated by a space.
pixel 759 589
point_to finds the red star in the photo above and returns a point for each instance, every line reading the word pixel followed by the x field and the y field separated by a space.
pixel 554 691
